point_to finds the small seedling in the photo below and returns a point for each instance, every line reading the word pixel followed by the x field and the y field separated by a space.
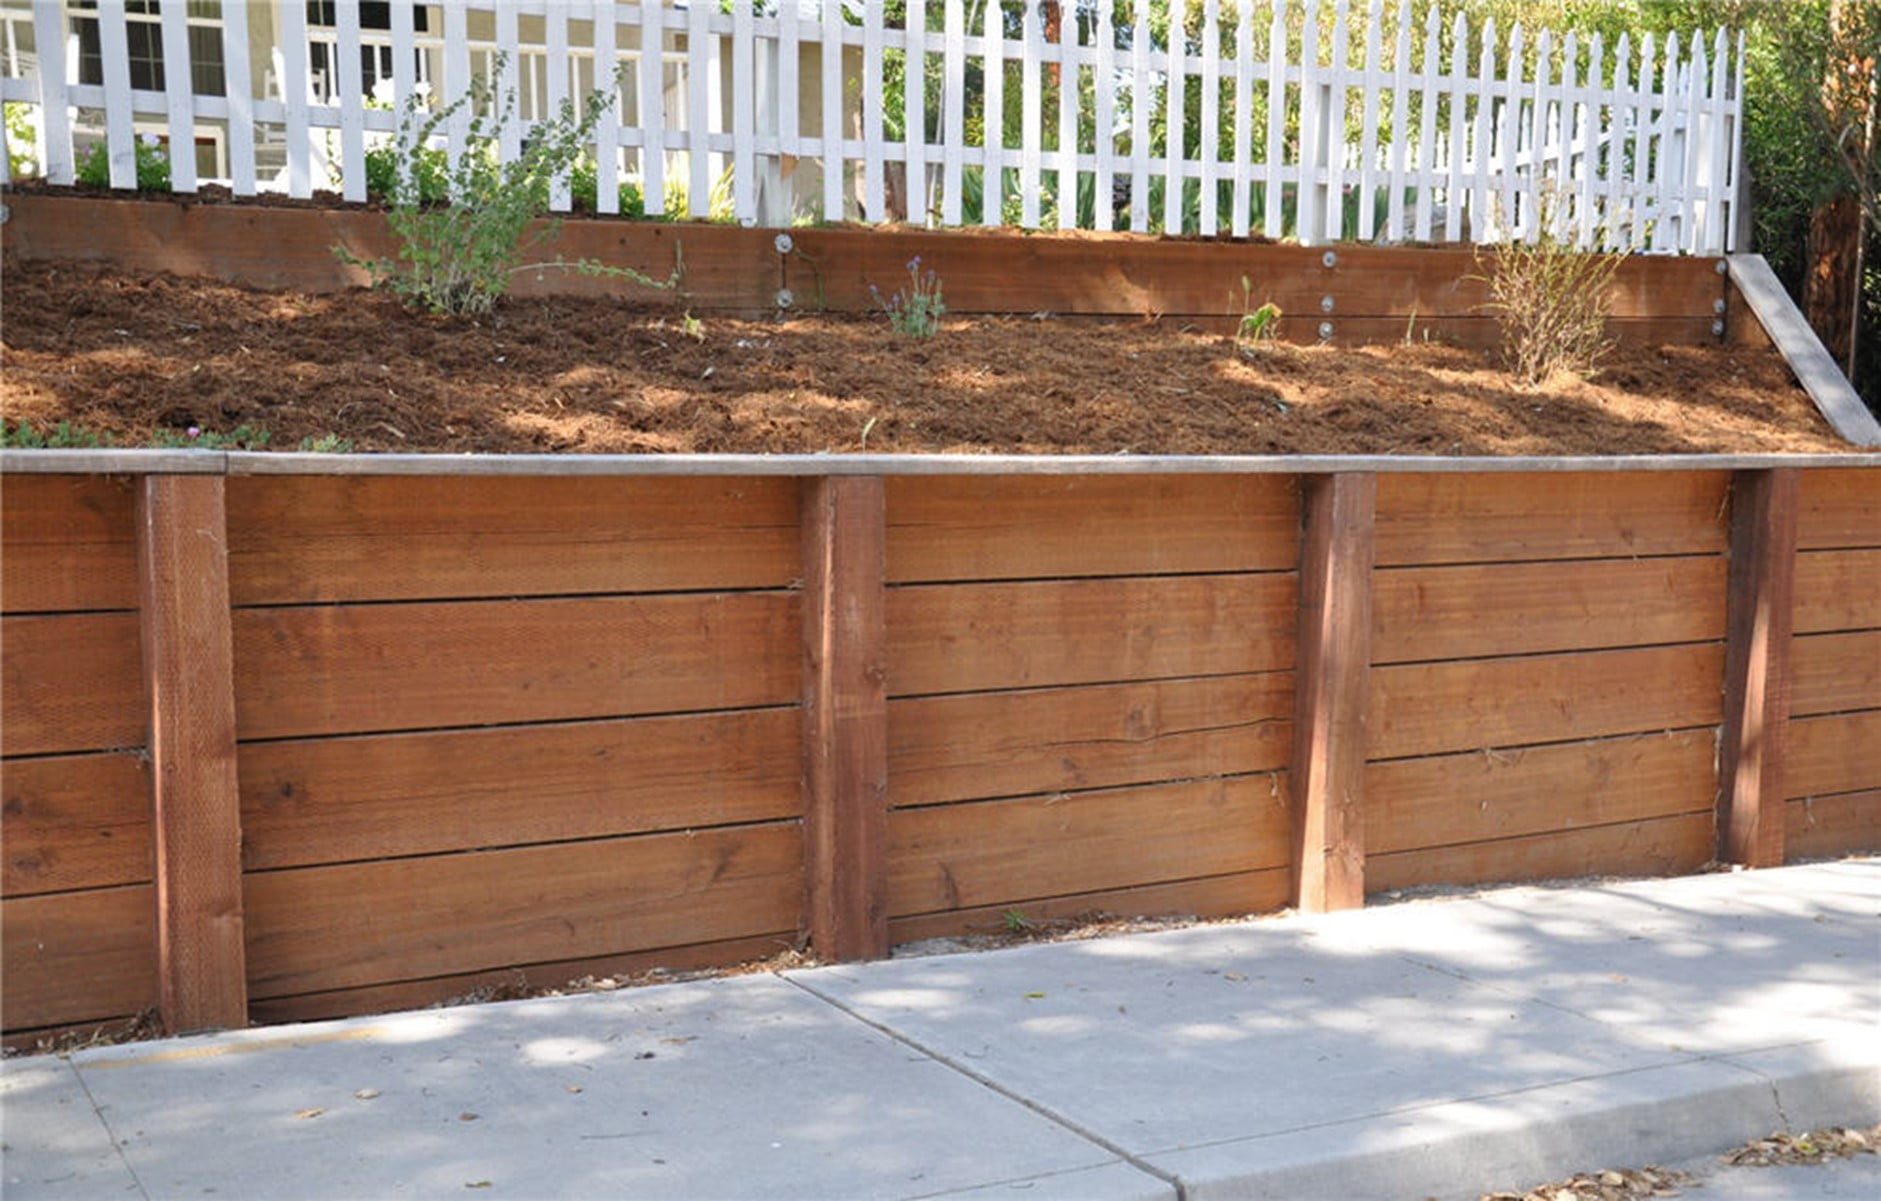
pixel 326 444
pixel 242 437
pixel 1259 326
pixel 64 435
pixel 692 327
pixel 1017 922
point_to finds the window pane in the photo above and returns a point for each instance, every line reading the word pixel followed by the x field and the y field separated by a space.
pixel 205 58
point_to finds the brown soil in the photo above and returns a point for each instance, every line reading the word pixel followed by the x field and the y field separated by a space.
pixel 129 356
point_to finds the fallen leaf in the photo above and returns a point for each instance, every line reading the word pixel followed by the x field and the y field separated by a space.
pixel 366 1094
pixel 1034 996
pixel 1237 976
pixel 573 1088
pixel 466 1117
pixel 477 1184
pixel 309 1113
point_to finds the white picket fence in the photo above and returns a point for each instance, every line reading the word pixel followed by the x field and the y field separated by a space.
pixel 1310 122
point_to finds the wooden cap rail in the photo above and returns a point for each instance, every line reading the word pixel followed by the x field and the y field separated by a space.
pixel 182 544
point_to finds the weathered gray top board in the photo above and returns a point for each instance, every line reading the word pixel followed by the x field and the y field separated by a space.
pixel 1803 351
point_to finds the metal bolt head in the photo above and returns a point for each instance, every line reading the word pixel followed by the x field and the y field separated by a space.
pixel 1325 331
pixel 1330 259
pixel 1717 306
pixel 1325 304
pixel 784 298
pixel 783 243
pixel 1722 268
pixel 1717 329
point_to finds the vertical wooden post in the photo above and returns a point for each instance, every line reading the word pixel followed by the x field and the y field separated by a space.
pixel 1758 622
pixel 1332 670
pixel 182 558
pixel 845 717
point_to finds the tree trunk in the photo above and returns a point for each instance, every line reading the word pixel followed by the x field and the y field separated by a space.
pixel 1832 275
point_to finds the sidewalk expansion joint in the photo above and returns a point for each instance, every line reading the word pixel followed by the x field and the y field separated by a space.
pixel 117 1148
pixel 984 1081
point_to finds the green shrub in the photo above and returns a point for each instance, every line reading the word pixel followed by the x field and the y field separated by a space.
pixel 64 435
pixel 457 258
pixel 584 189
pixel 430 166
pixel 153 166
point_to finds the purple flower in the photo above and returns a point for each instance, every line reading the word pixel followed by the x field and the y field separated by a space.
pixel 194 431
pixel 914 264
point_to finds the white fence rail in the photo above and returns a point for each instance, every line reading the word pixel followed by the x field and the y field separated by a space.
pixel 1299 119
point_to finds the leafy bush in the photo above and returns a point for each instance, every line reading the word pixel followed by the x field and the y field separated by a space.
pixel 430 168
pixel 457 258
pixel 153 166
pixel 584 189
pixel 242 437
pixel 61 436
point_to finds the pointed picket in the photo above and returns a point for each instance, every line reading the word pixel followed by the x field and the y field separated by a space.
pixel 1427 159
pixel 1175 106
pixel 1066 159
pixel 1273 214
pixel 1400 124
pixel 1209 150
pixel 1243 118
pixel 953 121
pixel 238 86
pixel 914 110
pixel 993 70
pixel 1141 102
pixel 651 68
pixel 1368 134
pixel 607 128
pixel 1104 123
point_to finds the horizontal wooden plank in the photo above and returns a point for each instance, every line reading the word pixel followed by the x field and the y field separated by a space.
pixel 1431 708
pixel 332 800
pixel 725 266
pixel 78 956
pixel 1211 896
pixel 979 637
pixel 354 669
pixel 520 980
pixel 1841 507
pixel 1479 797
pixel 74 682
pixel 75 821
pixel 1001 272
pixel 65 544
pixel 994 852
pixel 1835 673
pixel 1442 518
pixel 1840 752
pixel 1476 610
pixel 1846 824
pixel 338 538
pixel 316 929
pixel 1057 739
pixel 1662 846
pixel 1041 527
pixel 1838 590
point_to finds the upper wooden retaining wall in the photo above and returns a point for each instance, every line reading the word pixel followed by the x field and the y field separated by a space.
pixel 1341 294
pixel 289 736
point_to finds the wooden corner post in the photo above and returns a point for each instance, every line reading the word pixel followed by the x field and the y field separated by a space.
pixel 1332 670
pixel 183 578
pixel 845 717
pixel 1759 617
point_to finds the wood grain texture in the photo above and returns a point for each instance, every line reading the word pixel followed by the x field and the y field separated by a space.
pixel 1845 824
pixel 1332 687
pixel 1489 518
pixel 1018 527
pixel 845 717
pixel 65 544
pixel 74 821
pixel 1835 673
pixel 1479 610
pixel 1838 590
pixel 1411 804
pixel 995 852
pixel 1841 507
pixel 1210 896
pixel 78 956
pixel 981 637
pixel 1840 752
pixel 1004 273
pixel 1663 846
pixel 354 669
pixel 301 539
pixel 518 980
pixel 183 592
pixel 725 267
pixel 316 929
pixel 1761 605
pixel 1431 708
pixel 334 800
pixel 70 683
pixel 973 745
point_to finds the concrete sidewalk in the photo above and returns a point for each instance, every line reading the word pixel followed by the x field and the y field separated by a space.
pixel 1435 1048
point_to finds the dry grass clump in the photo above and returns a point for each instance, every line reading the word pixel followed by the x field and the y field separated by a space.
pixel 1551 301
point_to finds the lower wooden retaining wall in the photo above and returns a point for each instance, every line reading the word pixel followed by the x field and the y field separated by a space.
pixel 295 736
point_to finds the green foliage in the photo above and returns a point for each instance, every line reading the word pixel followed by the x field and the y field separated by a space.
pixel 1259 327
pixel 917 311
pixel 21 141
pixel 1551 301
pixel 430 169
pixel 326 444
pixel 457 258
pixel 584 190
pixel 242 437
pixel 153 166
pixel 64 435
